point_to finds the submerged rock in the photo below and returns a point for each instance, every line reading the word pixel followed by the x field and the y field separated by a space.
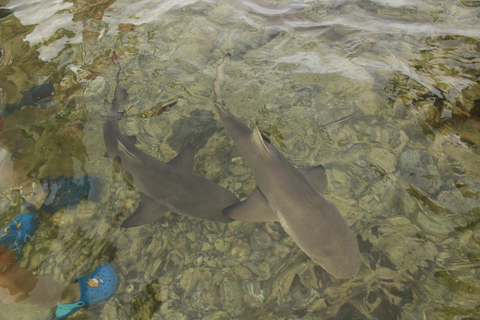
pixel 241 251
pixel 260 240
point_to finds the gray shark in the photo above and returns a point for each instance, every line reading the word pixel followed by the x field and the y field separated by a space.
pixel 291 196
pixel 164 186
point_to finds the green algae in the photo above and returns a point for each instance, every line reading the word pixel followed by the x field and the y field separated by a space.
pixel 145 304
pixel 425 201
pixel 447 312
pixel 456 284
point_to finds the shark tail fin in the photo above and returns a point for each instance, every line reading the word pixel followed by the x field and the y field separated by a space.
pixel 219 82
pixel 119 96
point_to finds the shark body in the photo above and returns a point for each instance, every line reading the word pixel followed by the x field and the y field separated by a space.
pixel 291 196
pixel 164 186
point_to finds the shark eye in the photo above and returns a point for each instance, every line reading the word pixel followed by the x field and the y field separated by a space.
pixel 6 229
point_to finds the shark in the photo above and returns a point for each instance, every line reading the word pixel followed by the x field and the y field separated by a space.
pixel 289 195
pixel 163 186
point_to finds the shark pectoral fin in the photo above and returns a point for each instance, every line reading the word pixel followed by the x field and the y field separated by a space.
pixel 254 209
pixel 185 158
pixel 117 164
pixel 317 177
pixel 148 211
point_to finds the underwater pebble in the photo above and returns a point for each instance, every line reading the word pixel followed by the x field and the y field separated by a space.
pixel 198 261
pixel 417 168
pixel 339 176
pixel 428 112
pixel 37 259
pixel 370 103
pixel 168 309
pixel 273 230
pixel 212 263
pixel 260 240
pixel 129 288
pixel 206 247
pixel 221 245
pixel 94 87
pixel 307 300
pixel 211 237
pixel 432 225
pixel 443 255
pixel 162 294
pixel 383 158
pixel 308 277
pixel 192 236
pixel 239 170
pixel 241 251
pixel 254 297
pixel 318 304
pixel 189 279
pixel 164 280
pixel 399 221
pixel 219 315
pixel 476 236
pixel 109 311
pixel 242 272
pixel 281 251
pixel 155 245
pixel 232 294
pixel 238 186
pixel 264 271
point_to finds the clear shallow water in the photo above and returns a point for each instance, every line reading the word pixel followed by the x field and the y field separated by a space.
pixel 384 94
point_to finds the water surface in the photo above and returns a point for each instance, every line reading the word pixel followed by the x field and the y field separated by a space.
pixel 384 94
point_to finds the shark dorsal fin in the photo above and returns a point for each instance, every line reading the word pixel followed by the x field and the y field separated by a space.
pixel 123 150
pixel 184 159
pixel 258 140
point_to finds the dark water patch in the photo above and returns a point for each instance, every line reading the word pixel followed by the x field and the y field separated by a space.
pixel 196 130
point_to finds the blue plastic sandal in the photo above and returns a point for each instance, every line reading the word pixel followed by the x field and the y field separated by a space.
pixel 16 233
pixel 34 96
pixel 66 191
pixel 94 287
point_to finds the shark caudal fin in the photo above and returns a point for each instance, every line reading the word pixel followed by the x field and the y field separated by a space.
pixel 119 96
pixel 220 82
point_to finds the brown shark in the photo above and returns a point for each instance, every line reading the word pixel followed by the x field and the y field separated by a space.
pixel 291 196
pixel 164 186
